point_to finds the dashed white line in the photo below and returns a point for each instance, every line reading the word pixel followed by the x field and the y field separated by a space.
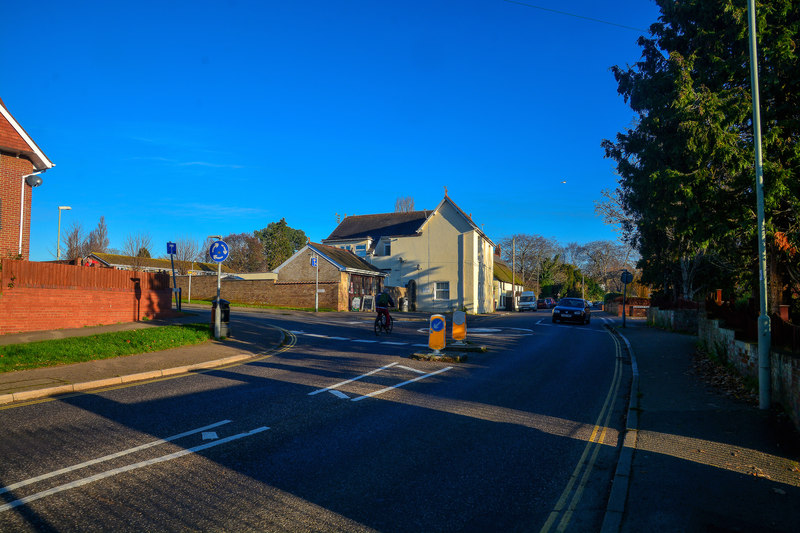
pixel 395 343
pixel 127 468
pixel 351 380
pixel 411 369
pixel 339 394
pixel 110 457
pixel 387 389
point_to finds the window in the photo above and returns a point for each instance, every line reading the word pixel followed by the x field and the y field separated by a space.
pixel 441 290
pixel 361 250
pixel 387 248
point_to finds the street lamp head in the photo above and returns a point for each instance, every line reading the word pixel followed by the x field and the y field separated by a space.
pixel 64 207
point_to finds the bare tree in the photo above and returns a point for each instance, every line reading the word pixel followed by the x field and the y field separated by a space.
pixel 137 246
pixel 246 254
pixel 75 243
pixel 404 204
pixel 98 238
pixel 187 250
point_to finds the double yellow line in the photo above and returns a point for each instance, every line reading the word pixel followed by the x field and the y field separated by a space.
pixel 562 513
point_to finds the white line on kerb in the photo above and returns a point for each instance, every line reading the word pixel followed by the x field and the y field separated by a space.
pixel 122 469
pixel 351 380
pixel 387 389
pixel 109 457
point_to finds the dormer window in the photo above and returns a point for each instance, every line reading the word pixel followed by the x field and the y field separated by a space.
pixel 387 248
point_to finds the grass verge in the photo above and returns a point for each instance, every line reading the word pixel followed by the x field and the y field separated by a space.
pixel 103 346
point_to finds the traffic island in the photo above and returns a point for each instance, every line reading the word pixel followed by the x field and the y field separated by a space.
pixel 453 353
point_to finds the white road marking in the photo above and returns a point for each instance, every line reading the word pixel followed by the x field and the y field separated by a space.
pixel 315 335
pixel 420 345
pixel 339 338
pixel 339 394
pixel 351 380
pixel 123 469
pixel 411 369
pixel 109 457
pixel 363 340
pixel 387 389
pixel 210 435
pixel 395 343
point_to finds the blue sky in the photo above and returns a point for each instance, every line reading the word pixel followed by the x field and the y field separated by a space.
pixel 188 119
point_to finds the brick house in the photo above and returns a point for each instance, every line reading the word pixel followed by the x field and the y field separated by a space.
pixel 21 162
pixel 352 276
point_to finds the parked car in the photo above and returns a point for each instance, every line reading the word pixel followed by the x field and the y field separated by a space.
pixel 573 310
pixel 527 301
pixel 546 303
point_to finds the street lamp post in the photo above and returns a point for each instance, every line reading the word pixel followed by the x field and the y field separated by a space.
pixel 58 238
pixel 764 335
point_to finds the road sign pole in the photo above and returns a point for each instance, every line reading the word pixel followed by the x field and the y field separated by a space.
pixel 217 322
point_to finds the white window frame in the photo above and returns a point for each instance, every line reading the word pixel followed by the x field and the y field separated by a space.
pixel 439 290
pixel 361 250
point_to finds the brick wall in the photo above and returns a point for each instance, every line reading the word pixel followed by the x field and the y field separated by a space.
pixel 784 367
pixel 267 292
pixel 11 171
pixel 42 296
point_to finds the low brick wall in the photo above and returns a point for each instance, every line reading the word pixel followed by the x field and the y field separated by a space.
pixel 785 367
pixel 673 319
pixel 42 296
pixel 615 308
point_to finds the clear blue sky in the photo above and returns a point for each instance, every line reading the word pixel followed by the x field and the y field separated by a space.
pixel 193 118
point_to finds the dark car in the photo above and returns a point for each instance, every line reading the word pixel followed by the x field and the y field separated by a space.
pixel 572 310
pixel 545 303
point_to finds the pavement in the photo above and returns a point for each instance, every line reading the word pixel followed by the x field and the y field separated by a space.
pixel 692 460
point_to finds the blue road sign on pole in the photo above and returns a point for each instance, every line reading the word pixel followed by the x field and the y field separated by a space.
pixel 313 261
pixel 172 248
pixel 219 251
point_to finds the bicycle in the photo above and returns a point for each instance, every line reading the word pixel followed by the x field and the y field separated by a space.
pixel 381 325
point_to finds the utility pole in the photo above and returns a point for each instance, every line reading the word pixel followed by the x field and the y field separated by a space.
pixel 764 336
pixel 513 269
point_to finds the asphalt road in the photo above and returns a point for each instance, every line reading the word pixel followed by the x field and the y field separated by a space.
pixel 340 431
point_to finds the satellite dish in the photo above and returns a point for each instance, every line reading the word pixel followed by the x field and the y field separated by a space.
pixel 33 180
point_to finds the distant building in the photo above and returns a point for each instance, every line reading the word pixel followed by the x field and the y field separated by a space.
pixel 147 264
pixel 21 162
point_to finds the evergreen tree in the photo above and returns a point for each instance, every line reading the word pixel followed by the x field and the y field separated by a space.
pixel 686 169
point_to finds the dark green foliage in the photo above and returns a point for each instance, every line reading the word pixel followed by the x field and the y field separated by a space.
pixel 280 242
pixel 687 167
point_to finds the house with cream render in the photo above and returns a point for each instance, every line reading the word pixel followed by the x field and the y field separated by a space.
pixel 441 257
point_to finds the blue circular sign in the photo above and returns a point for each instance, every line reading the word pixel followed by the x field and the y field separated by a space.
pixel 437 324
pixel 219 251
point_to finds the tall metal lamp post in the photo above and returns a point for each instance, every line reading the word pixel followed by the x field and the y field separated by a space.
pixel 58 239
pixel 764 335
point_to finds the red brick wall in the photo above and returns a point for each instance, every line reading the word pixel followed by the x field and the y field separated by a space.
pixel 11 171
pixel 42 296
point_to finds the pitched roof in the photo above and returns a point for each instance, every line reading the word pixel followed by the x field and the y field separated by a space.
pixel 164 264
pixel 345 259
pixel 392 224
pixel 14 139
pixel 502 271
pixel 380 225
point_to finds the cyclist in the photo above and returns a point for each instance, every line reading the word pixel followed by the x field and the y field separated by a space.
pixel 382 304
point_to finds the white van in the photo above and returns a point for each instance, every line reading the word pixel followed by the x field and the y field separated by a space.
pixel 527 301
